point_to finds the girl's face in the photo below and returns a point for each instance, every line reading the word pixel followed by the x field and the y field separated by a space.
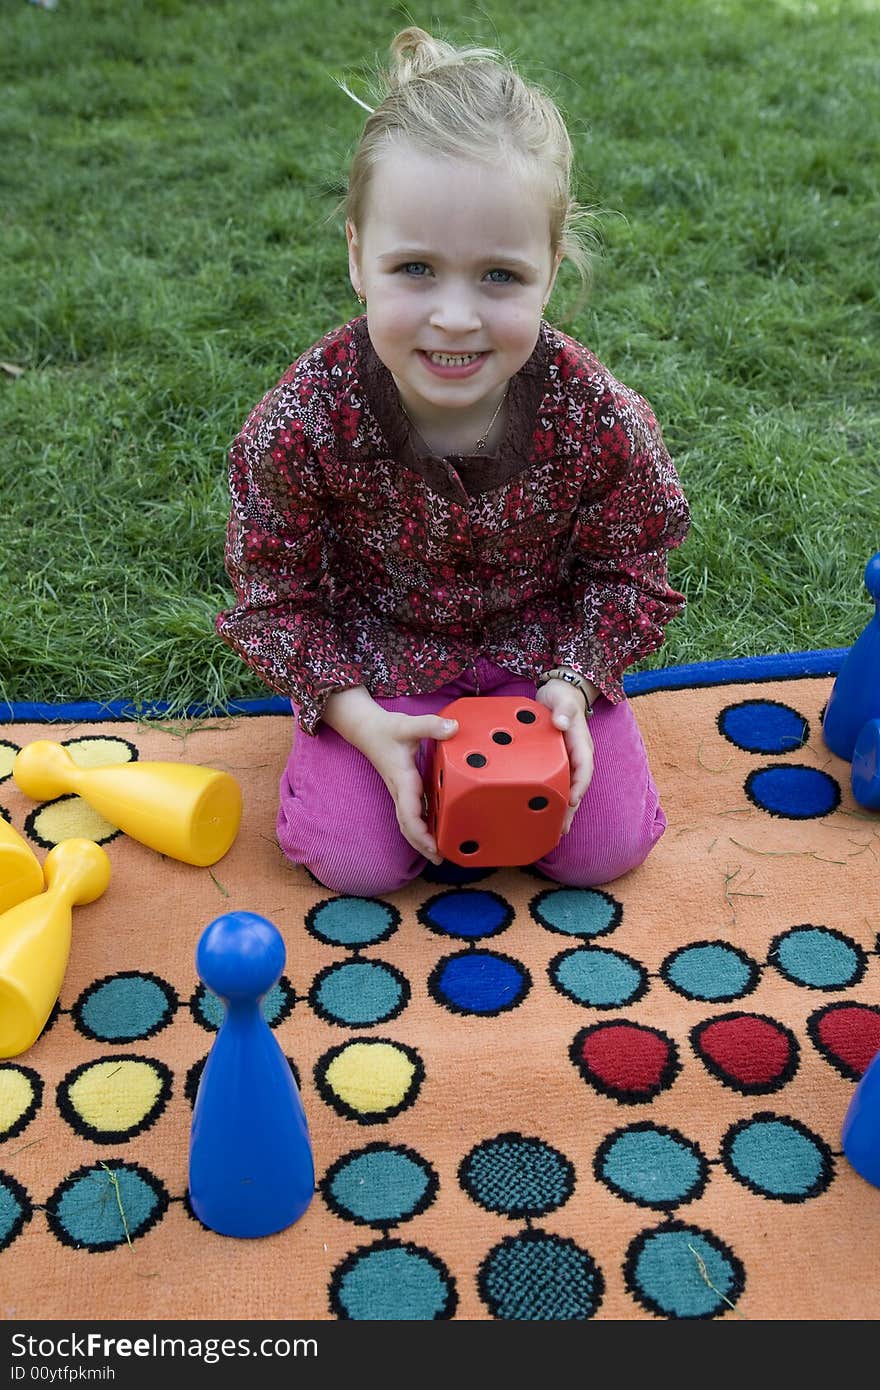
pixel 453 258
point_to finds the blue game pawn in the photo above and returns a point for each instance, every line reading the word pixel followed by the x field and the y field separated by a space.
pixel 860 1136
pixel 865 774
pixel 855 696
pixel 250 1160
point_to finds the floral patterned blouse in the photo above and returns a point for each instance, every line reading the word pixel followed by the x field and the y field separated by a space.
pixel 356 560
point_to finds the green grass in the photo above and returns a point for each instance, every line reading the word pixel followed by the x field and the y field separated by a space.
pixel 168 173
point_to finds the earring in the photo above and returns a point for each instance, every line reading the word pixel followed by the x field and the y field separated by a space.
pixel 360 297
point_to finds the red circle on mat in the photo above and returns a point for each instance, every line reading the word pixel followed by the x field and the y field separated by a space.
pixel 749 1052
pixel 847 1035
pixel 625 1060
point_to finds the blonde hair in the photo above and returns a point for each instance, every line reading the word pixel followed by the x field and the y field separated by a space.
pixel 470 103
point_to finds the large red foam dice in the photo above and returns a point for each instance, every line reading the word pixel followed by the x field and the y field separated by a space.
pixel 498 789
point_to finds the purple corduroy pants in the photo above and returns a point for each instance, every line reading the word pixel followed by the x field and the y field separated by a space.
pixel 336 815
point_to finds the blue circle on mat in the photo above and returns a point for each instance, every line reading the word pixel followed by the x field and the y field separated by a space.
pixel 539 1277
pixel 517 1176
pixel 598 978
pixel 764 726
pixel 359 992
pixel 125 1007
pixel 793 791
pixel 710 970
pixel 14 1209
pixel 778 1158
pixel 393 1283
pixel 818 957
pixel 577 911
pixel 380 1185
pixel 663 1271
pixel 275 1005
pixel 85 1209
pixel 652 1166
pixel 479 982
pixel 352 921
pixel 468 915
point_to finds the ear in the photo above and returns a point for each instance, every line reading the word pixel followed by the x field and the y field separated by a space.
pixel 354 253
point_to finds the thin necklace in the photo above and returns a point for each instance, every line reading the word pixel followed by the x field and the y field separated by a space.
pixel 481 442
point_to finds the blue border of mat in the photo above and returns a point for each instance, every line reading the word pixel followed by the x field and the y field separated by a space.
pixel 742 669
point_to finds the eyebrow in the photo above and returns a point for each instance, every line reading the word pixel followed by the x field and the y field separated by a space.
pixel 417 253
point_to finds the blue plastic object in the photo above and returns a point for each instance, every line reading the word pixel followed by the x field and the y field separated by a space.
pixel 855 696
pixel 860 1136
pixel 865 776
pixel 250 1161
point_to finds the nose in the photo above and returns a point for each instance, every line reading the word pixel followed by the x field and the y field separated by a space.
pixel 455 312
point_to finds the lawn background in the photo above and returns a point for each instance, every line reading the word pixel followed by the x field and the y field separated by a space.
pixel 168 245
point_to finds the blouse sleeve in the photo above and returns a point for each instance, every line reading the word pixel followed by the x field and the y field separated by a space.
pixel 276 556
pixel 620 599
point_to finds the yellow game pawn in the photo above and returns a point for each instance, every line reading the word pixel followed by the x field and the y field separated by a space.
pixel 35 941
pixel 188 812
pixel 20 873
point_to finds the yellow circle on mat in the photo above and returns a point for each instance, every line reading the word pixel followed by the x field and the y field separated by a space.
pixel 16 1094
pixel 99 752
pixel 8 756
pixel 68 819
pixel 371 1078
pixel 115 1096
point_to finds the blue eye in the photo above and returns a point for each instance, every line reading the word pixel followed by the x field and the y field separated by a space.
pixel 414 266
pixel 509 273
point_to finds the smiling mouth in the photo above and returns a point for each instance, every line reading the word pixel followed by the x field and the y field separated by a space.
pixel 453 359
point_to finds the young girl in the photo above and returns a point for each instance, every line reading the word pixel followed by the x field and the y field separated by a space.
pixel 447 496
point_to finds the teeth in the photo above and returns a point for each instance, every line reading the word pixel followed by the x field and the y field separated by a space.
pixel 443 359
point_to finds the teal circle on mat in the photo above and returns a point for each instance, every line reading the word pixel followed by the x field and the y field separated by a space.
pixel 539 1277
pixel 393 1283
pixel 359 992
pixel 599 978
pixel 818 957
pixel 652 1166
pixel 353 921
pixel 710 970
pixel 274 1005
pixel 13 1209
pixel 380 1186
pixel 125 1007
pixel 663 1271
pixel 577 911
pixel 778 1158
pixel 85 1209
pixel 517 1176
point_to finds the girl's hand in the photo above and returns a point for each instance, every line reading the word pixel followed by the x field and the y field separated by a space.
pixel 566 705
pixel 391 743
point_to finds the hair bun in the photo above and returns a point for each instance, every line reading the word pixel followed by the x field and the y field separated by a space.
pixel 414 51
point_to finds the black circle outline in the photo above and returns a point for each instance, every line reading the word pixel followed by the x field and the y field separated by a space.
pixel 153 1219
pixel 33 1105
pixel 765 752
pixel 380 1146
pixel 356 1256
pixel 788 767
pixel 754 968
pixel 538 1236
pixel 517 1213
pixel 433 984
pixel 172 1001
pixel 640 991
pixel 335 967
pixel 826 1173
pixel 329 1096
pixel 697 1188
pixel 616 916
pixel 635 1248
pixel 760 1088
pixel 670 1072
pixel 117 1136
pixel 507 916
pixel 859 952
